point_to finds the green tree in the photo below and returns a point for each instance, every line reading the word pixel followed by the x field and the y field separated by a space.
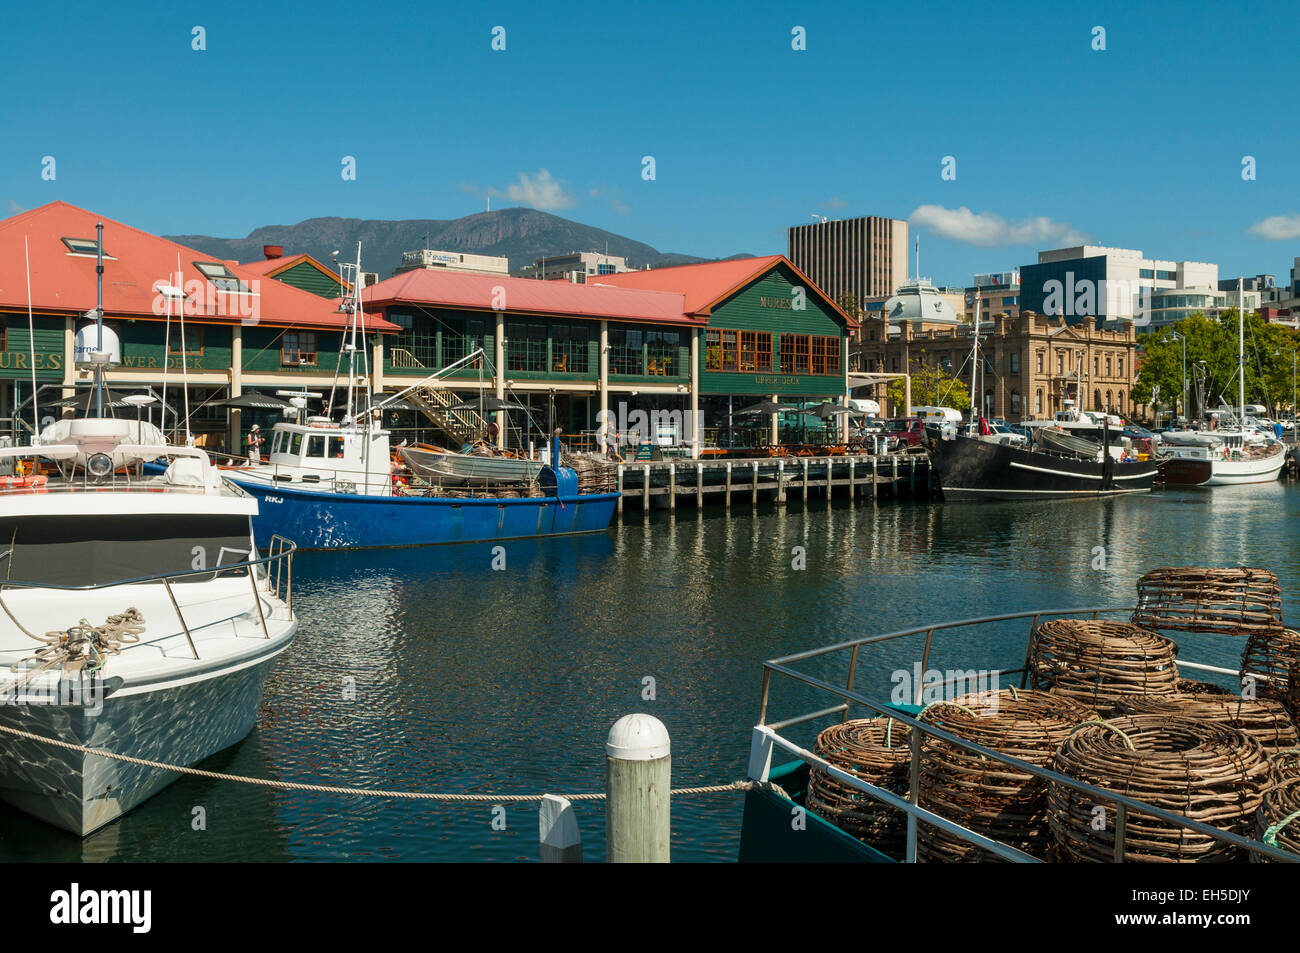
pixel 1212 345
pixel 932 386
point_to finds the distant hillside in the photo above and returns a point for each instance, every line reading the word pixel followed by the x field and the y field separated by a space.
pixel 520 234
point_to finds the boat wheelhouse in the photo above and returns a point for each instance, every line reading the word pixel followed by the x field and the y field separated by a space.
pixel 138 617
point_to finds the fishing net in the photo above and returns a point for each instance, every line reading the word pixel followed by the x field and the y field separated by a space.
pixel 1196 599
pixel 1206 771
pixel 1277 822
pixel 879 752
pixel 1097 663
pixel 1265 720
pixel 1001 802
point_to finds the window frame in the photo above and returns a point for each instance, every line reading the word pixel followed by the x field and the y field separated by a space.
pixel 299 349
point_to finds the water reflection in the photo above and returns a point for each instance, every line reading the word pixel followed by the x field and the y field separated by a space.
pixel 429 669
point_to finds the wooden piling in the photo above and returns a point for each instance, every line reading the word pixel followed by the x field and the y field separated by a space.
pixel 754 495
pixel 853 483
pixel 638 774
pixel 875 482
pixel 620 489
pixel 728 493
pixel 699 486
pixel 911 476
pixel 805 479
pixel 672 486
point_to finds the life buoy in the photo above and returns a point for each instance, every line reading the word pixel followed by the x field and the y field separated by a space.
pixel 35 482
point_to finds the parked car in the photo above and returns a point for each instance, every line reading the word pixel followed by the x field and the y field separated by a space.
pixel 904 431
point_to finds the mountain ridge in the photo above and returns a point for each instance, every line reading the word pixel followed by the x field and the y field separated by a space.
pixel 520 234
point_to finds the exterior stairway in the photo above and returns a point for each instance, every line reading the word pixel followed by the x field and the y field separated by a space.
pixel 435 403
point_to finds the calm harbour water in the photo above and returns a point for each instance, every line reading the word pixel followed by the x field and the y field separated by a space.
pixel 474 680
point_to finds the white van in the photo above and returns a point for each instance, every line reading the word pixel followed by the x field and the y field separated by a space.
pixel 937 415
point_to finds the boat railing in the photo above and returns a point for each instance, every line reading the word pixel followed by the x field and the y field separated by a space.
pixel 767 738
pixel 270 575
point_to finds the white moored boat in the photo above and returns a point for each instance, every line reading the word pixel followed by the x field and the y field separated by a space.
pixel 137 617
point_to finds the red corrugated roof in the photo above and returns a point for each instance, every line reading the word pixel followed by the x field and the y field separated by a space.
pixel 708 283
pixel 135 262
pixel 438 288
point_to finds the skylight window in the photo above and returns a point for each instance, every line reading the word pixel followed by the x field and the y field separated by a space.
pixel 83 246
pixel 221 277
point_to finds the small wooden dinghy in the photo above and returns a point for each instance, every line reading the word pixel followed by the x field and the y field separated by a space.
pixel 469 469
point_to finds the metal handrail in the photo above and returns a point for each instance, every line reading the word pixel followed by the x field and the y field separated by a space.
pixel 1124 804
pixel 280 552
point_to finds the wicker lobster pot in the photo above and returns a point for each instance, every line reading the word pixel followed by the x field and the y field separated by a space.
pixel 996 800
pixel 1098 663
pixel 1235 601
pixel 1265 720
pixel 1276 656
pixel 1277 822
pixel 1206 771
pixel 879 752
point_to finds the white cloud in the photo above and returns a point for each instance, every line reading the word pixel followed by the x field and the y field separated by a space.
pixel 540 191
pixel 990 230
pixel 1277 227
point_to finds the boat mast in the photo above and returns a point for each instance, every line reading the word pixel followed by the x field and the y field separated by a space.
pixel 974 358
pixel 352 331
pixel 1241 358
pixel 99 317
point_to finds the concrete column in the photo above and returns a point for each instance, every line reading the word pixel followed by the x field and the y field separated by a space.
pixel 695 394
pixel 236 385
pixel 500 358
pixel 377 365
pixel 69 358
pixel 907 396
pixel 773 419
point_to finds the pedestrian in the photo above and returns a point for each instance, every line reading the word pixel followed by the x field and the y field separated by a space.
pixel 254 445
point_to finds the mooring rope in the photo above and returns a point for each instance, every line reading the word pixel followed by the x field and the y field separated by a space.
pixel 362 792
pixel 83 647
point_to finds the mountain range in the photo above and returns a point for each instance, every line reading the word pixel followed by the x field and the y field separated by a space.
pixel 519 234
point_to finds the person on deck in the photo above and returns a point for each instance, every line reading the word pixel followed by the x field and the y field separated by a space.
pixel 254 445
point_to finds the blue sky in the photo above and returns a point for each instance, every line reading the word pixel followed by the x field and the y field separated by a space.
pixel 1140 145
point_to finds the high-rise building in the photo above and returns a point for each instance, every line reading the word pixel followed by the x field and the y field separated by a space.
pixel 1113 284
pixel 865 256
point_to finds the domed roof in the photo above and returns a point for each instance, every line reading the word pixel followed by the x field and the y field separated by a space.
pixel 919 301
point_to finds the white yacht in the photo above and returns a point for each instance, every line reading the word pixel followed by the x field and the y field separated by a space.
pixel 138 617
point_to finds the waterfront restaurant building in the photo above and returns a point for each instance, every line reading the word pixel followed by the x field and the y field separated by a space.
pixel 702 340
pixel 241 331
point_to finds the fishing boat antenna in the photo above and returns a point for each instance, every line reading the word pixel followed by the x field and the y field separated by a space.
pixel 31 340
pixel 99 318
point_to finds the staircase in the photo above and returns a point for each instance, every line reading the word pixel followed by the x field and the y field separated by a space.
pixel 435 403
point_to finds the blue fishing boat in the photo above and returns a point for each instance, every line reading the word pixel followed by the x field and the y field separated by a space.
pixel 330 484
pixel 325 519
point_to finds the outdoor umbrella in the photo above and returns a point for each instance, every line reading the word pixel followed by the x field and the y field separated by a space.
pixel 487 405
pixel 115 399
pixel 768 407
pixel 828 410
pixel 402 404
pixel 252 401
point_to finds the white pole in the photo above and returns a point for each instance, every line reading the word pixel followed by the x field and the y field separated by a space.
pixel 185 369
pixel 31 340
pixel 638 770
pixel 1241 358
pixel 974 364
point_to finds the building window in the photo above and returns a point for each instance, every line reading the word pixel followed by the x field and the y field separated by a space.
pixel 1108 367
pixel 1015 401
pixel 221 277
pixel 4 335
pixel 84 246
pixel 460 338
pixel 1038 401
pixel 1119 402
pixel 795 353
pixel 1060 363
pixel 894 365
pixel 1040 362
pixel 193 343
pixel 625 351
pixel 1120 368
pixel 526 346
pixel 1096 400
pixel 661 352
pixel 756 351
pixel 1146 273
pixel 1096 365
pixel 722 350
pixel 569 348
pixel 298 348
pixel 1015 363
